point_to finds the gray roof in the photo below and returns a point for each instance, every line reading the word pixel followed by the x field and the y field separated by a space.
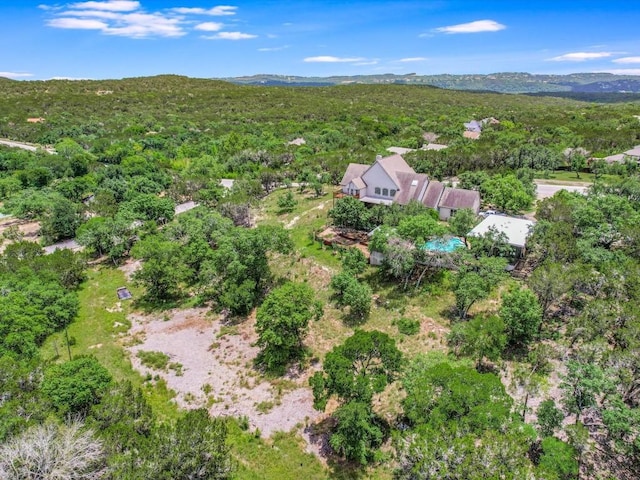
pixel 358 182
pixel 433 146
pixel 617 158
pixel 433 193
pixel 393 165
pixel 457 198
pixel 354 170
pixel 411 187
pixel 634 152
pixel 400 150
pixel 473 126
pixel 516 229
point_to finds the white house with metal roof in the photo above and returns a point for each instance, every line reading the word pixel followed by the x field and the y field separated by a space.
pixel 516 230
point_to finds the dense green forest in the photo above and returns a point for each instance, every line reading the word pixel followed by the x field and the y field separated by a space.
pixel 426 367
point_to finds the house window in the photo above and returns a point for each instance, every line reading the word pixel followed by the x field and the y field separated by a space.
pixel 377 190
pixel 385 192
pixel 392 193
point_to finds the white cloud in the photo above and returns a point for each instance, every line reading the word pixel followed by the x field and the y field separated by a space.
pixel 110 5
pixel 15 74
pixel 141 25
pixel 473 27
pixel 231 36
pixel 273 49
pixel 129 19
pixel 580 56
pixel 364 64
pixel 220 10
pixel 209 26
pixel 103 15
pixel 627 60
pixel 622 71
pixel 331 59
pixel 413 59
pixel 78 23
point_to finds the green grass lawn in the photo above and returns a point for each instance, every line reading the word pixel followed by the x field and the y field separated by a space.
pixel 100 330
pixel 566 176
pixel 308 216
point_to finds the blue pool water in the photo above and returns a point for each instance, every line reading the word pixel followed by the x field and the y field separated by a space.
pixel 444 244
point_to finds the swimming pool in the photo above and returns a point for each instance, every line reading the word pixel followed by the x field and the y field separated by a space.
pixel 444 244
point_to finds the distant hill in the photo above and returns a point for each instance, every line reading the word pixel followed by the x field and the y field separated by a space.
pixel 509 82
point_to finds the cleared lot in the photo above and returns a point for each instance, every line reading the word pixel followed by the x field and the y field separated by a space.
pixel 546 190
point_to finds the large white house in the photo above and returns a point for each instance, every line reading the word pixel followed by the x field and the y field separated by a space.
pixel 391 180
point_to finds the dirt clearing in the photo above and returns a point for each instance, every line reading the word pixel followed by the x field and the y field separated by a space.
pixel 211 365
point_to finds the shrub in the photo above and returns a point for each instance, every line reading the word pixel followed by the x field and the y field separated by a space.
pixel 408 326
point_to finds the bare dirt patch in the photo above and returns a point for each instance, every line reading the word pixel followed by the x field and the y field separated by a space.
pixel 130 267
pixel 217 370
pixel 28 230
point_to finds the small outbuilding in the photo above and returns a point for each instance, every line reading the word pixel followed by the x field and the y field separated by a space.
pixel 516 230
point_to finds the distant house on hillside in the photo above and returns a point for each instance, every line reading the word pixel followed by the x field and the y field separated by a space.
pixel 570 152
pixel 473 126
pixel 391 180
pixel 630 155
pixel 473 129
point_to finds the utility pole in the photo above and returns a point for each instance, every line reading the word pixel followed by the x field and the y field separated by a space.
pixel 66 335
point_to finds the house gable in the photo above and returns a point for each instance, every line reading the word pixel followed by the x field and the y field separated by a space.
pixel 379 181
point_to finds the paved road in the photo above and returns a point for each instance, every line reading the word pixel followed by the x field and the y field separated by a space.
pixel 66 245
pixel 545 190
pixel 185 207
pixel 26 146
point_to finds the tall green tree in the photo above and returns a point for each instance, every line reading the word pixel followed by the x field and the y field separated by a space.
pixel 482 337
pixel 349 212
pixel 74 386
pixel 581 387
pixel 282 322
pixel 355 370
pixel 358 432
pixel 160 274
pixel 522 315
pixel 463 222
pixel 549 418
pixel 62 221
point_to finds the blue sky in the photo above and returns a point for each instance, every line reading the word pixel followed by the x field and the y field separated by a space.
pixel 127 38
